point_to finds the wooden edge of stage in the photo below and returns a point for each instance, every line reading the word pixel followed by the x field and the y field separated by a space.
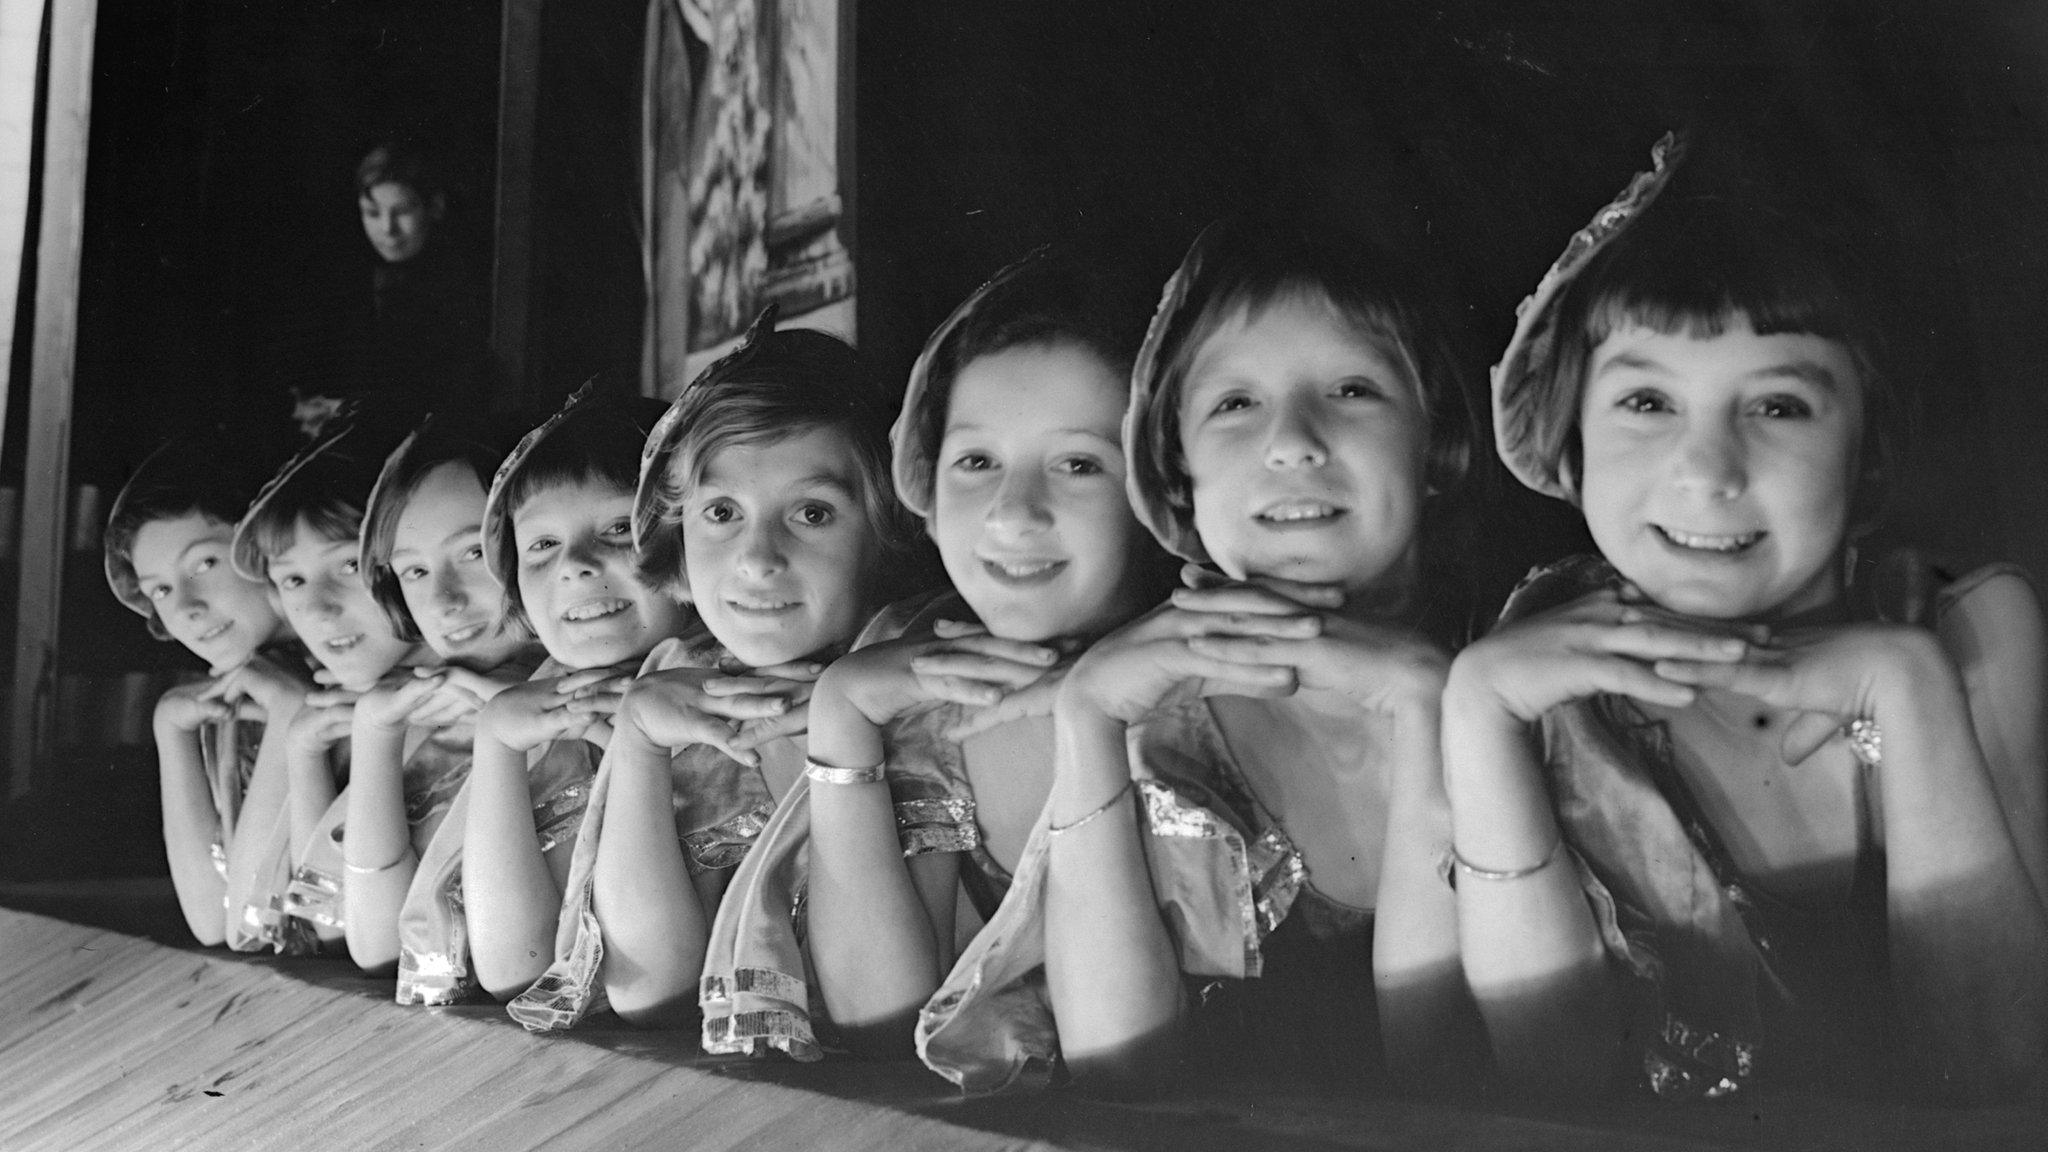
pixel 108 1041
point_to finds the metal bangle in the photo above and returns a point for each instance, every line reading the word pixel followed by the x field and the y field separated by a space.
pixel 1059 829
pixel 1866 740
pixel 826 774
pixel 1478 873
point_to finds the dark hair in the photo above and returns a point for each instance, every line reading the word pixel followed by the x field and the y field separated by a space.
pixel 797 380
pixel 328 493
pixel 202 480
pixel 1045 300
pixel 434 445
pixel 1247 268
pixel 396 163
pixel 1694 264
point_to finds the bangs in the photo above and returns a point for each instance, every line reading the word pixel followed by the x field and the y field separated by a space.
pixel 276 528
pixel 1698 285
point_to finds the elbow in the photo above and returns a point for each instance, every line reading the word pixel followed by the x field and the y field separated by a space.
pixel 644 1011
pixel 211 931
pixel 375 953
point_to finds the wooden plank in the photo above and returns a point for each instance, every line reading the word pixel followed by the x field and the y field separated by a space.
pixel 21 35
pixel 512 247
pixel 68 110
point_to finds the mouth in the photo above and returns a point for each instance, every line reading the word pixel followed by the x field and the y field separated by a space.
pixel 466 633
pixel 591 610
pixel 340 645
pixel 1023 573
pixel 761 605
pixel 214 633
pixel 1724 545
pixel 1298 514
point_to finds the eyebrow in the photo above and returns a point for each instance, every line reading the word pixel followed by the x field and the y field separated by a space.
pixel 1070 430
pixel 820 479
pixel 1803 369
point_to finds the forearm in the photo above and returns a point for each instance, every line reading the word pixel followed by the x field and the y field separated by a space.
pixel 655 926
pixel 1532 952
pixel 1969 940
pixel 312 793
pixel 1429 1025
pixel 259 849
pixel 510 898
pixel 377 847
pixel 1112 972
pixel 191 826
pixel 872 940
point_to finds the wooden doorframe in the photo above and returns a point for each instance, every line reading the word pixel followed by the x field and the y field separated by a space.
pixel 512 233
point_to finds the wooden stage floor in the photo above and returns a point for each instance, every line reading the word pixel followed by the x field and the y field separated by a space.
pixel 112 1041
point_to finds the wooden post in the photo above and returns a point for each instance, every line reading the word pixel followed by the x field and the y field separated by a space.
pixel 21 38
pixel 512 247
pixel 47 480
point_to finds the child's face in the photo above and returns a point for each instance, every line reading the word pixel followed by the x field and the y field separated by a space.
pixel 1029 509
pixel 437 553
pixel 777 546
pixel 1718 470
pixel 1305 440
pixel 182 566
pixel 330 607
pixel 577 580
pixel 396 220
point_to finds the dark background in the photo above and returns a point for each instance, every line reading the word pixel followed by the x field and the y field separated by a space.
pixel 1476 135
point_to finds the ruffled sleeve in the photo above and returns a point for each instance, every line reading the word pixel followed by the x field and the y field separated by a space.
pixel 755 991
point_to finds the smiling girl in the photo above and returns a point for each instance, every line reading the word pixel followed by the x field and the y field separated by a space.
pixel 558 536
pixel 1245 779
pixel 763 498
pixel 1725 797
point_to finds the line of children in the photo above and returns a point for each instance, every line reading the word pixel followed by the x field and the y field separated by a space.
pixel 1725 797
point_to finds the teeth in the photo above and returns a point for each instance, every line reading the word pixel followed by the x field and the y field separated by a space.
pixel 344 643
pixel 1288 513
pixel 217 631
pixel 592 611
pixel 1711 543
pixel 464 634
pixel 762 605
pixel 1022 570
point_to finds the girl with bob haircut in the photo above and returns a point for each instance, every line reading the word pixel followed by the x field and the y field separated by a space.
pixel 167 551
pixel 1730 798
pixel 1245 779
pixel 302 533
pixel 926 769
pixel 410 743
pixel 558 536
pixel 762 501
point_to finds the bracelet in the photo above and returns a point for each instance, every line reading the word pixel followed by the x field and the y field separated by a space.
pixel 1866 740
pixel 1478 873
pixel 1057 829
pixel 358 870
pixel 826 774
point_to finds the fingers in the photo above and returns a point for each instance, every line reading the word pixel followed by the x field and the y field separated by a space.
pixel 331 698
pixel 1016 651
pixel 955 629
pixel 754 733
pixel 586 677
pixel 1648 640
pixel 1248 600
pixel 748 707
pixel 1759 681
pixel 801 671
pixel 1808 733
pixel 1035 700
pixel 591 702
pixel 997 672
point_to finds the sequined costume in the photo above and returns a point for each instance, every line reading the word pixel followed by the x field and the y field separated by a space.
pixel 1225 873
pixel 255 893
pixel 721 806
pixel 1719 968
pixel 433 940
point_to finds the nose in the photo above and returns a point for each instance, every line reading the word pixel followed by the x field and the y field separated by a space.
pixel 449 595
pixel 1019 506
pixel 579 559
pixel 1293 441
pixel 188 602
pixel 1713 461
pixel 762 553
pixel 323 600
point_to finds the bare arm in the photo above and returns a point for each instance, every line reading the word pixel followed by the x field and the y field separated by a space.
pixel 377 845
pixel 191 823
pixel 656 921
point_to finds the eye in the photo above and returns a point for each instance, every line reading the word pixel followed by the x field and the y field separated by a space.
pixel 348 567
pixel 619 532
pixel 1643 401
pixel 540 544
pixel 1358 388
pixel 473 554
pixel 290 582
pixel 413 573
pixel 1080 466
pixel 814 514
pixel 1235 402
pixel 973 462
pixel 157 591
pixel 1784 408
pixel 206 564
pixel 720 512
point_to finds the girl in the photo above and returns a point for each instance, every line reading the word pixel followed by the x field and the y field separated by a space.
pixel 1267 739
pixel 558 538
pixel 422 553
pixel 1776 789
pixel 301 532
pixel 762 499
pixel 1007 447
pixel 167 549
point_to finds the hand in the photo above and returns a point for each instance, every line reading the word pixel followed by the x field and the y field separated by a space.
pixel 1128 672
pixel 320 724
pixel 963 664
pixel 275 686
pixel 678 707
pixel 416 698
pixel 526 716
pixel 187 706
pixel 1829 676
pixel 1593 645
pixel 1382 667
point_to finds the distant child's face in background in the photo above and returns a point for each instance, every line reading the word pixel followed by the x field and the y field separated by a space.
pixel 1029 510
pixel 1719 470
pixel 182 565
pixel 577 579
pixel 330 607
pixel 437 553
pixel 396 220
pixel 1305 440
pixel 777 546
